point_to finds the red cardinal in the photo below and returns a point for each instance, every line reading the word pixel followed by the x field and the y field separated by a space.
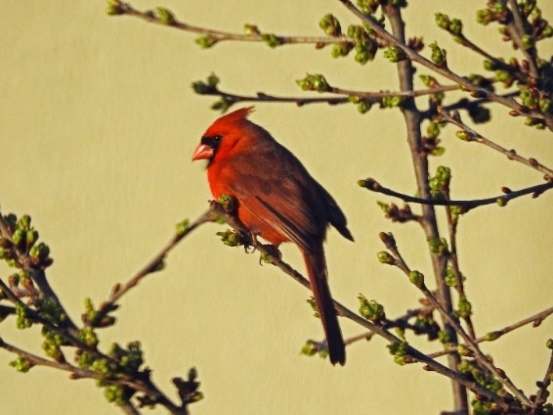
pixel 278 200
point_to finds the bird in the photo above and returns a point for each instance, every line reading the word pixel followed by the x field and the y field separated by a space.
pixel 277 200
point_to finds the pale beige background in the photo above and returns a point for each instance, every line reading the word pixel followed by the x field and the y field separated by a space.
pixel 97 126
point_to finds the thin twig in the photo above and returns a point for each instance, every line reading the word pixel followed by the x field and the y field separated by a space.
pixel 218 35
pixel 373 185
pixel 151 267
pixel 541 395
pixel 517 28
pixel 333 100
pixel 535 320
pixel 474 136
pixel 453 259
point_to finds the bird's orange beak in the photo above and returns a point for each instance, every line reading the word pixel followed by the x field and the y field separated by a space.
pixel 203 151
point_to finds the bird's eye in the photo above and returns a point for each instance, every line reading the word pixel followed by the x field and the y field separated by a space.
pixel 212 141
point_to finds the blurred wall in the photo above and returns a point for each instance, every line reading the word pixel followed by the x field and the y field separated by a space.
pixel 97 126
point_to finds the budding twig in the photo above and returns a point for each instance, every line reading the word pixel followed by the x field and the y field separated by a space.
pixel 373 185
pixel 442 70
pixel 454 323
pixel 472 135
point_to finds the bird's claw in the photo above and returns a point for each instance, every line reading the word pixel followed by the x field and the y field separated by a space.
pixel 249 242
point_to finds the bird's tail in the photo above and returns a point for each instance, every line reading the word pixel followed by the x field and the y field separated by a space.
pixel 316 270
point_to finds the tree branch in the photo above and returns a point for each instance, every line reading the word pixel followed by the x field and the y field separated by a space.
pixel 445 72
pixel 373 185
pixel 471 135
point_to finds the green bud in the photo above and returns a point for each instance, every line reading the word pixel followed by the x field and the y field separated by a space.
pixel 364 106
pixel 490 65
pixel 228 202
pixel 251 30
pixel 201 88
pixel 385 258
pixel 444 336
pixel 433 130
pixel 369 183
pixel 484 17
pixel 492 335
pixel 549 344
pixel 394 54
pixel 24 223
pixel 40 251
pixel 21 364
pixel 271 40
pixel 22 321
pixel 19 236
pixel 498 7
pixel 456 27
pixel 547 32
pixel 314 82
pixel 309 348
pixel 341 49
pixel 182 227
pixel 503 75
pixel 363 57
pixel 368 6
pixel 370 309
pixel 463 135
pixel 165 16
pixel 231 238
pixel 438 245
pixel 438 151
pixel 501 201
pixel 464 308
pixel 205 42
pixel 416 278
pixel 546 105
pixel 450 277
pixel 399 351
pixel 527 41
pixel 209 87
pixel 385 207
pixel 31 237
pixel 464 366
pixel 330 25
pixel 387 238
pixel 439 55
pixel 428 81
pixel 113 8
pixel 463 350
pixel 222 104
pixel 442 20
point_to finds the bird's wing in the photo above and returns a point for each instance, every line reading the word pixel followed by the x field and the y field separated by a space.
pixel 280 200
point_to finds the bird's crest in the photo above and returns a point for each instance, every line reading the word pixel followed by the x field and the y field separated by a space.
pixel 234 117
